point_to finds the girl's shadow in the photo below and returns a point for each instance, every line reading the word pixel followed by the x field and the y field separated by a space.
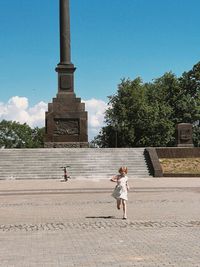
pixel 100 217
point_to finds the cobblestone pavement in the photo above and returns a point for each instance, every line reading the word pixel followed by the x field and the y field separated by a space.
pixel 77 224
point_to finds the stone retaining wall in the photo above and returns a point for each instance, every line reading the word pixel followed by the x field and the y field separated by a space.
pixel 153 154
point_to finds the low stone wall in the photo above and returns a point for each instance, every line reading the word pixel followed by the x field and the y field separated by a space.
pixel 178 152
pixel 153 154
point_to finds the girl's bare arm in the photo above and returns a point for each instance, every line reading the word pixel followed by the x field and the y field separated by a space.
pixel 113 179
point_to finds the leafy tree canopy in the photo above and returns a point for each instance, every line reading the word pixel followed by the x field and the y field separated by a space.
pixel 16 135
pixel 146 114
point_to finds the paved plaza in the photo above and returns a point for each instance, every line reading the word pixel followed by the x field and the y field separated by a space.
pixel 76 223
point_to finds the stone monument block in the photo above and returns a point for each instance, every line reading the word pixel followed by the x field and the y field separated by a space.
pixel 184 135
pixel 66 123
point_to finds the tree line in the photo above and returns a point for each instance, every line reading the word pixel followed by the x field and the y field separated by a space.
pixel 16 135
pixel 146 114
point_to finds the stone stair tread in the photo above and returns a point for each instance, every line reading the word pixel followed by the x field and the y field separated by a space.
pixel 85 163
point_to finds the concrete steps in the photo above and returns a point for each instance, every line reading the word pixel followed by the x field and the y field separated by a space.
pixel 85 163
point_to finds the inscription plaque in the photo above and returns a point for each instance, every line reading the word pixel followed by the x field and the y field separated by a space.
pixel 65 82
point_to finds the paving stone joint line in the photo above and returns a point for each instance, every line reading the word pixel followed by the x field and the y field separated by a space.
pixel 103 224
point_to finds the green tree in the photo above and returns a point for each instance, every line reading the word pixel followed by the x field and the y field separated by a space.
pixel 190 84
pixel 16 135
pixel 38 137
pixel 135 118
pixel 196 135
pixel 146 114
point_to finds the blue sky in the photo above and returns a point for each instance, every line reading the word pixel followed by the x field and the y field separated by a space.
pixel 110 39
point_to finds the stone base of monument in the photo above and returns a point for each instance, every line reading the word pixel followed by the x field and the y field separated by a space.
pixel 66 145
pixel 66 122
pixel 155 154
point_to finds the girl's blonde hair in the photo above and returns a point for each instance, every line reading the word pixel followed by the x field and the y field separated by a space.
pixel 123 169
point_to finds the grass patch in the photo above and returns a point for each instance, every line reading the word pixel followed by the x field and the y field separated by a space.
pixel 180 165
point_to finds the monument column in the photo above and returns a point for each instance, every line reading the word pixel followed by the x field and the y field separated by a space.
pixel 66 118
pixel 65 68
pixel 65 44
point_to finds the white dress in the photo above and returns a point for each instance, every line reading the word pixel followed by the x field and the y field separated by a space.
pixel 120 190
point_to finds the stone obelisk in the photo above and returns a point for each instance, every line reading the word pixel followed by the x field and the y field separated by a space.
pixel 66 118
pixel 65 68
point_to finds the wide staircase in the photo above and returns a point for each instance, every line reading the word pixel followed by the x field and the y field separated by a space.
pixel 85 163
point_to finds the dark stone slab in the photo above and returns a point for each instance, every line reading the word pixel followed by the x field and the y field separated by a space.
pixel 184 135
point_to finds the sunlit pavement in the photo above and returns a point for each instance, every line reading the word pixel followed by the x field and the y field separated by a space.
pixel 76 223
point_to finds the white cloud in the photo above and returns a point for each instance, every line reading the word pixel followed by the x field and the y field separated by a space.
pixel 17 109
pixel 18 102
pixel 96 109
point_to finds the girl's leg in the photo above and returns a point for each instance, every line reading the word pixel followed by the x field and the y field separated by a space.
pixel 124 209
pixel 119 202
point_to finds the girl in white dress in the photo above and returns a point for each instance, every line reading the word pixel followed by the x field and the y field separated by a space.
pixel 120 192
